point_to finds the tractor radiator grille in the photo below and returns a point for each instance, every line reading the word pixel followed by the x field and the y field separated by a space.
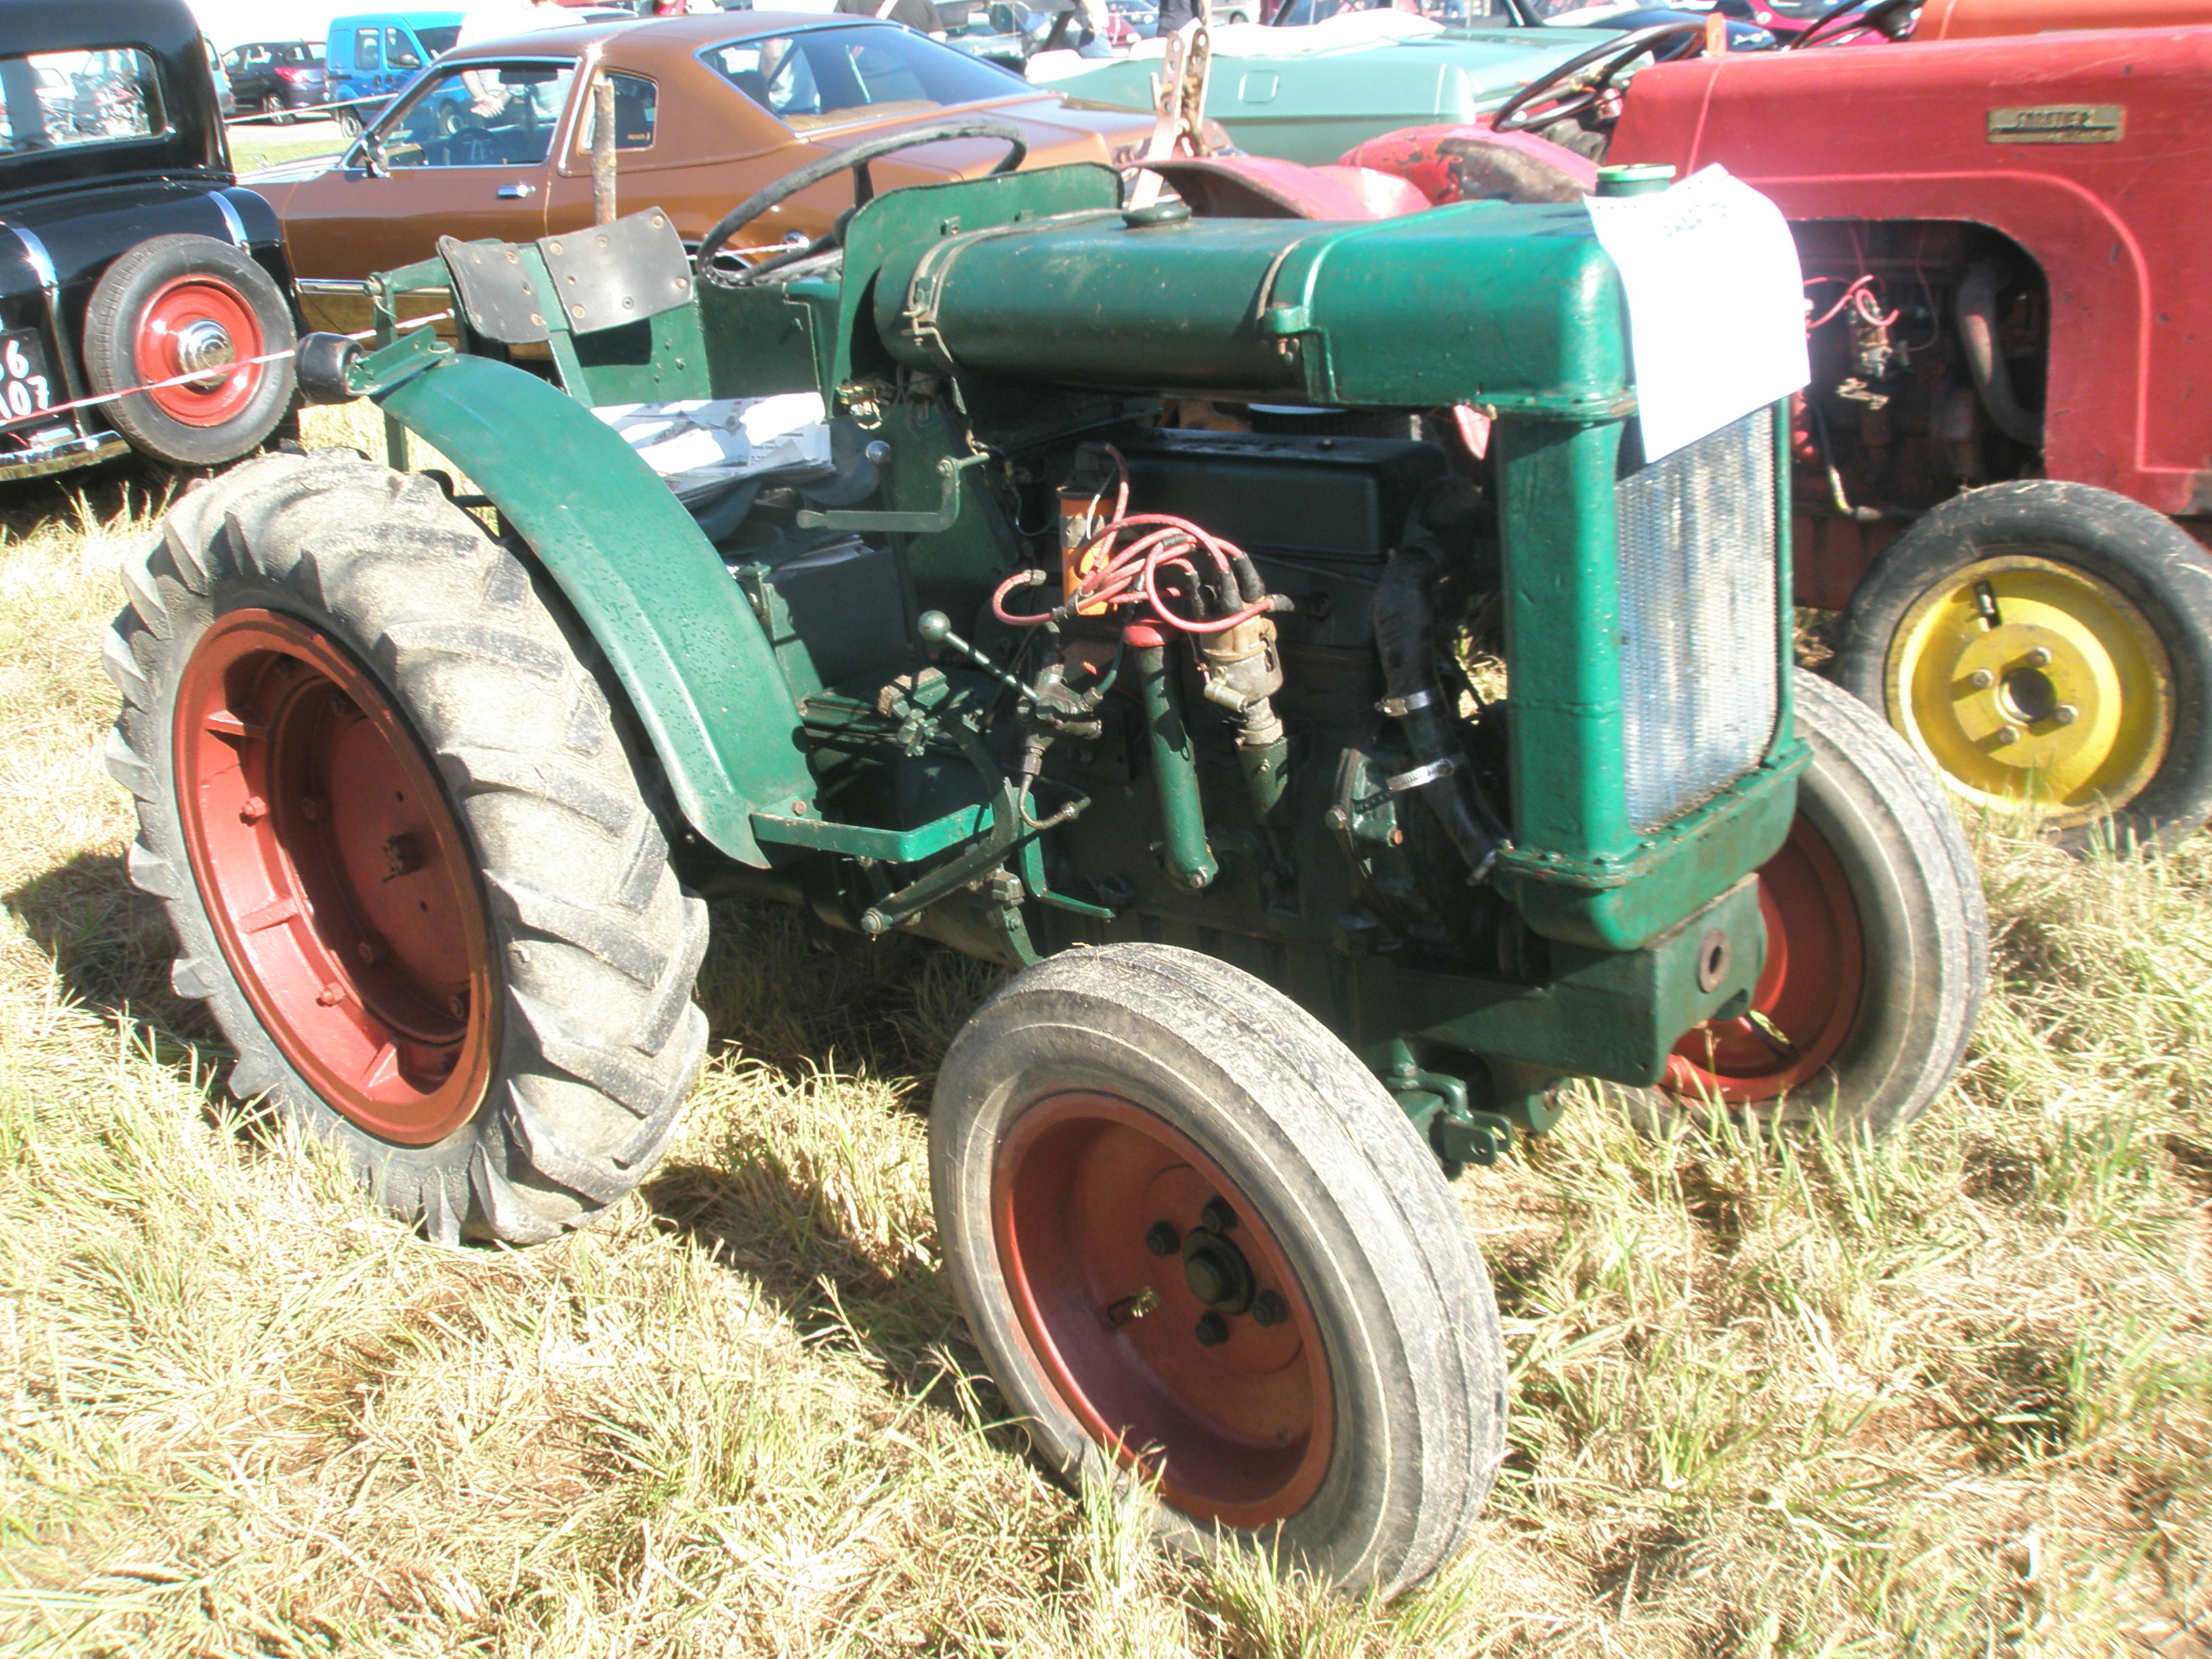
pixel 1699 659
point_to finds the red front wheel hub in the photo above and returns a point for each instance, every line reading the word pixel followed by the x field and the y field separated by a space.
pixel 199 323
pixel 340 883
pixel 1161 1309
pixel 1807 1000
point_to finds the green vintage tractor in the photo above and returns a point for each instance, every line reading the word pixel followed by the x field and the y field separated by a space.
pixel 871 578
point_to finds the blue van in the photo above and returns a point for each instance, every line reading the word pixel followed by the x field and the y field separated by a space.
pixel 372 55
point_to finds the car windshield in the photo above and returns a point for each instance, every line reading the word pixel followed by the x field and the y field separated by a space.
pixel 54 100
pixel 305 51
pixel 834 77
pixel 488 116
pixel 440 39
pixel 1456 12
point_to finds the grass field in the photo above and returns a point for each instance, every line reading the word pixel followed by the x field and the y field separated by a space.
pixel 1950 1395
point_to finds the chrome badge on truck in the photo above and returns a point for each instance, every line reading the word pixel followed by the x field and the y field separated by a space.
pixel 2059 123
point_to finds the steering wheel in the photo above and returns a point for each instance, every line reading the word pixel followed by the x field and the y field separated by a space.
pixel 1872 14
pixel 478 147
pixel 854 161
pixel 1521 113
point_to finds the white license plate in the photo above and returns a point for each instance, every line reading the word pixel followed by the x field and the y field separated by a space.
pixel 25 390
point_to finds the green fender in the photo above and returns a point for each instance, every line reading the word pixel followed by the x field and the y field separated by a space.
pixel 651 589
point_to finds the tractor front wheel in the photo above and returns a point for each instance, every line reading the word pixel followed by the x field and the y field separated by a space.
pixel 1196 1241
pixel 1877 944
pixel 402 847
pixel 2046 646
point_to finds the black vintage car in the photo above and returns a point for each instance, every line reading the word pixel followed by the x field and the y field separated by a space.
pixel 129 254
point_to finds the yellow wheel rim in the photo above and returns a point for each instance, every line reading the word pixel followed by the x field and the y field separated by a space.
pixel 2028 683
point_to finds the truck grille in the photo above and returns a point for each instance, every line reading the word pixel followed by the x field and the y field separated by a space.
pixel 1699 659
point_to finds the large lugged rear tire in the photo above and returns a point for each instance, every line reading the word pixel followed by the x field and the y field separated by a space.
pixel 2047 644
pixel 1877 943
pixel 1192 1234
pixel 403 846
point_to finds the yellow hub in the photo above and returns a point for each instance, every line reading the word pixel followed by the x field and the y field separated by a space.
pixel 2028 682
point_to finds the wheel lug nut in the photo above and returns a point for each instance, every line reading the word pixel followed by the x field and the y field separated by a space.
pixel 315 807
pixel 2066 714
pixel 253 809
pixel 370 950
pixel 2039 658
pixel 1162 1238
pixel 2007 734
pixel 1217 1216
pixel 330 995
pixel 1269 1307
pixel 1981 680
pixel 1213 1330
pixel 457 1004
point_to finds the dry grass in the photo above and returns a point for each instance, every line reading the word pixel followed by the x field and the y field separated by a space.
pixel 1951 1395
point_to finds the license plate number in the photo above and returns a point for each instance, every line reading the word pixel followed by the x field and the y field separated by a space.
pixel 25 391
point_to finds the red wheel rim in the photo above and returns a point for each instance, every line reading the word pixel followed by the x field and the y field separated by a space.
pixel 199 323
pixel 1239 1431
pixel 340 883
pixel 1808 996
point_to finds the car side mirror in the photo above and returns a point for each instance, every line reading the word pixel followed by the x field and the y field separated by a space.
pixel 371 150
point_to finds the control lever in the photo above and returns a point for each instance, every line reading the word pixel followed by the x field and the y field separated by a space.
pixel 936 629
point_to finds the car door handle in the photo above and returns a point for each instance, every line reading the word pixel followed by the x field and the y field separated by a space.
pixel 513 192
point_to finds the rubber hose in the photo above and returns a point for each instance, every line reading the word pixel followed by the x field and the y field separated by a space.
pixel 1976 311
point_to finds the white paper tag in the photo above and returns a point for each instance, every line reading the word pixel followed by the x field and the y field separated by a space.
pixel 1716 303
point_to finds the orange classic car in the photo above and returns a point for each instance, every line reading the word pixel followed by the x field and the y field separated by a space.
pixel 495 140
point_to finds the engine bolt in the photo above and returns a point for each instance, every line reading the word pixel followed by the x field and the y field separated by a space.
pixel 2007 734
pixel 1213 1330
pixel 1162 1239
pixel 2039 658
pixel 1269 1307
pixel 2066 714
pixel 1981 680
pixel 1218 1216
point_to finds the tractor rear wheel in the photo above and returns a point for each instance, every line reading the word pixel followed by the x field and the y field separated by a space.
pixel 1194 1239
pixel 1877 944
pixel 2048 646
pixel 403 846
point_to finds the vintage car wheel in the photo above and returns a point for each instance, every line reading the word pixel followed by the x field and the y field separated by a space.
pixel 402 848
pixel 2046 646
pixel 174 304
pixel 1876 938
pixel 1193 1235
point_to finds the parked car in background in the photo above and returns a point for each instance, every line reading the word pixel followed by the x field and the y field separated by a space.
pixel 274 77
pixel 370 56
pixel 496 140
pixel 1329 74
pixel 129 253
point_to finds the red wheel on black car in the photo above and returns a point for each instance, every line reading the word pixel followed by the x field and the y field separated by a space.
pixel 200 313
pixel 402 847
pixel 1877 946
pixel 1197 1242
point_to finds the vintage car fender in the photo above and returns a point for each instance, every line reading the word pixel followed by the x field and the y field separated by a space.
pixel 646 585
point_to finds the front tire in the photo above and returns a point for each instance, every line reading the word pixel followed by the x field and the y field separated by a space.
pixel 1312 1361
pixel 175 304
pixel 2047 645
pixel 1877 944
pixel 402 849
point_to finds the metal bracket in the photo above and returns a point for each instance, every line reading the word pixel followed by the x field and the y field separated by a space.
pixel 1397 707
pixel 931 522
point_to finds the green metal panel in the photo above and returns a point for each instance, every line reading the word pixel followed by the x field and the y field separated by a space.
pixel 1313 105
pixel 1377 314
pixel 650 589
